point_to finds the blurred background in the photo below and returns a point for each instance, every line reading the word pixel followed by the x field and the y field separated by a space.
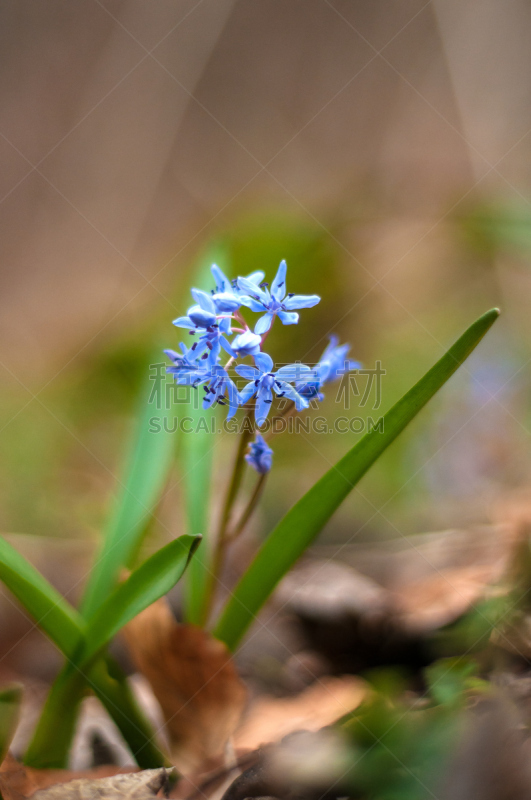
pixel 383 148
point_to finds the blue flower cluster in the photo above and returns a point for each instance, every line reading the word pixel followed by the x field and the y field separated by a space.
pixel 212 320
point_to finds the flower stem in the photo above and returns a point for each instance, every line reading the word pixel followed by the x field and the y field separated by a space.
pixel 230 496
pixel 248 511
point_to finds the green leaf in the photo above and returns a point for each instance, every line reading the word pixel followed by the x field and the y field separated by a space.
pixel 153 579
pixel 10 700
pixel 53 735
pixel 146 473
pixel 448 679
pixel 49 609
pixel 299 527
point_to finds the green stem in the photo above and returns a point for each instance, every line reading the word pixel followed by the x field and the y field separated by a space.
pixel 110 686
pixel 51 741
pixel 230 496
pixel 248 511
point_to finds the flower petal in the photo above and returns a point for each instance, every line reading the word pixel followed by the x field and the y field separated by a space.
pixel 247 392
pixel 222 282
pixel 263 324
pixel 278 288
pixel 172 355
pixel 256 277
pixel 288 391
pixel 300 301
pixel 253 290
pixel 234 398
pixel 200 317
pixel 225 324
pixel 184 322
pixel 264 362
pixel 204 300
pixel 247 343
pixel 254 305
pixel 263 405
pixel 226 346
pixel 226 302
pixel 288 317
pixel 250 373
pixel 294 372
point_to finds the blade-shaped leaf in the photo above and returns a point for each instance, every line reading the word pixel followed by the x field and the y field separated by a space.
pixel 153 579
pixel 51 740
pixel 146 473
pixel 10 700
pixel 49 609
pixel 299 527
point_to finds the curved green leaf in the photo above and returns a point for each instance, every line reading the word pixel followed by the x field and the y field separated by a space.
pixel 299 527
pixel 49 609
pixel 146 473
pixel 153 579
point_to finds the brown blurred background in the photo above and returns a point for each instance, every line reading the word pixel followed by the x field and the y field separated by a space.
pixel 132 130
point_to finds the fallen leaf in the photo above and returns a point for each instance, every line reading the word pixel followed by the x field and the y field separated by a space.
pixel 18 781
pixel 195 681
pixel 438 600
pixel 270 719
pixel 143 785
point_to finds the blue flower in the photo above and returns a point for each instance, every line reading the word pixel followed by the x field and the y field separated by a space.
pixel 185 367
pixel 263 381
pixel 227 295
pixel 334 361
pixel 204 317
pixel 260 456
pixel 246 344
pixel 332 364
pixel 217 385
pixel 219 389
pixel 276 302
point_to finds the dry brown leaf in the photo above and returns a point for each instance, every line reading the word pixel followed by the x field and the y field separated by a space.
pixel 143 785
pixel 441 598
pixel 18 781
pixel 270 719
pixel 195 681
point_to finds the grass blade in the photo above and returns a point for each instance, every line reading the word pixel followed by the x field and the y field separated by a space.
pixel 299 527
pixel 10 700
pixel 153 579
pixel 146 473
